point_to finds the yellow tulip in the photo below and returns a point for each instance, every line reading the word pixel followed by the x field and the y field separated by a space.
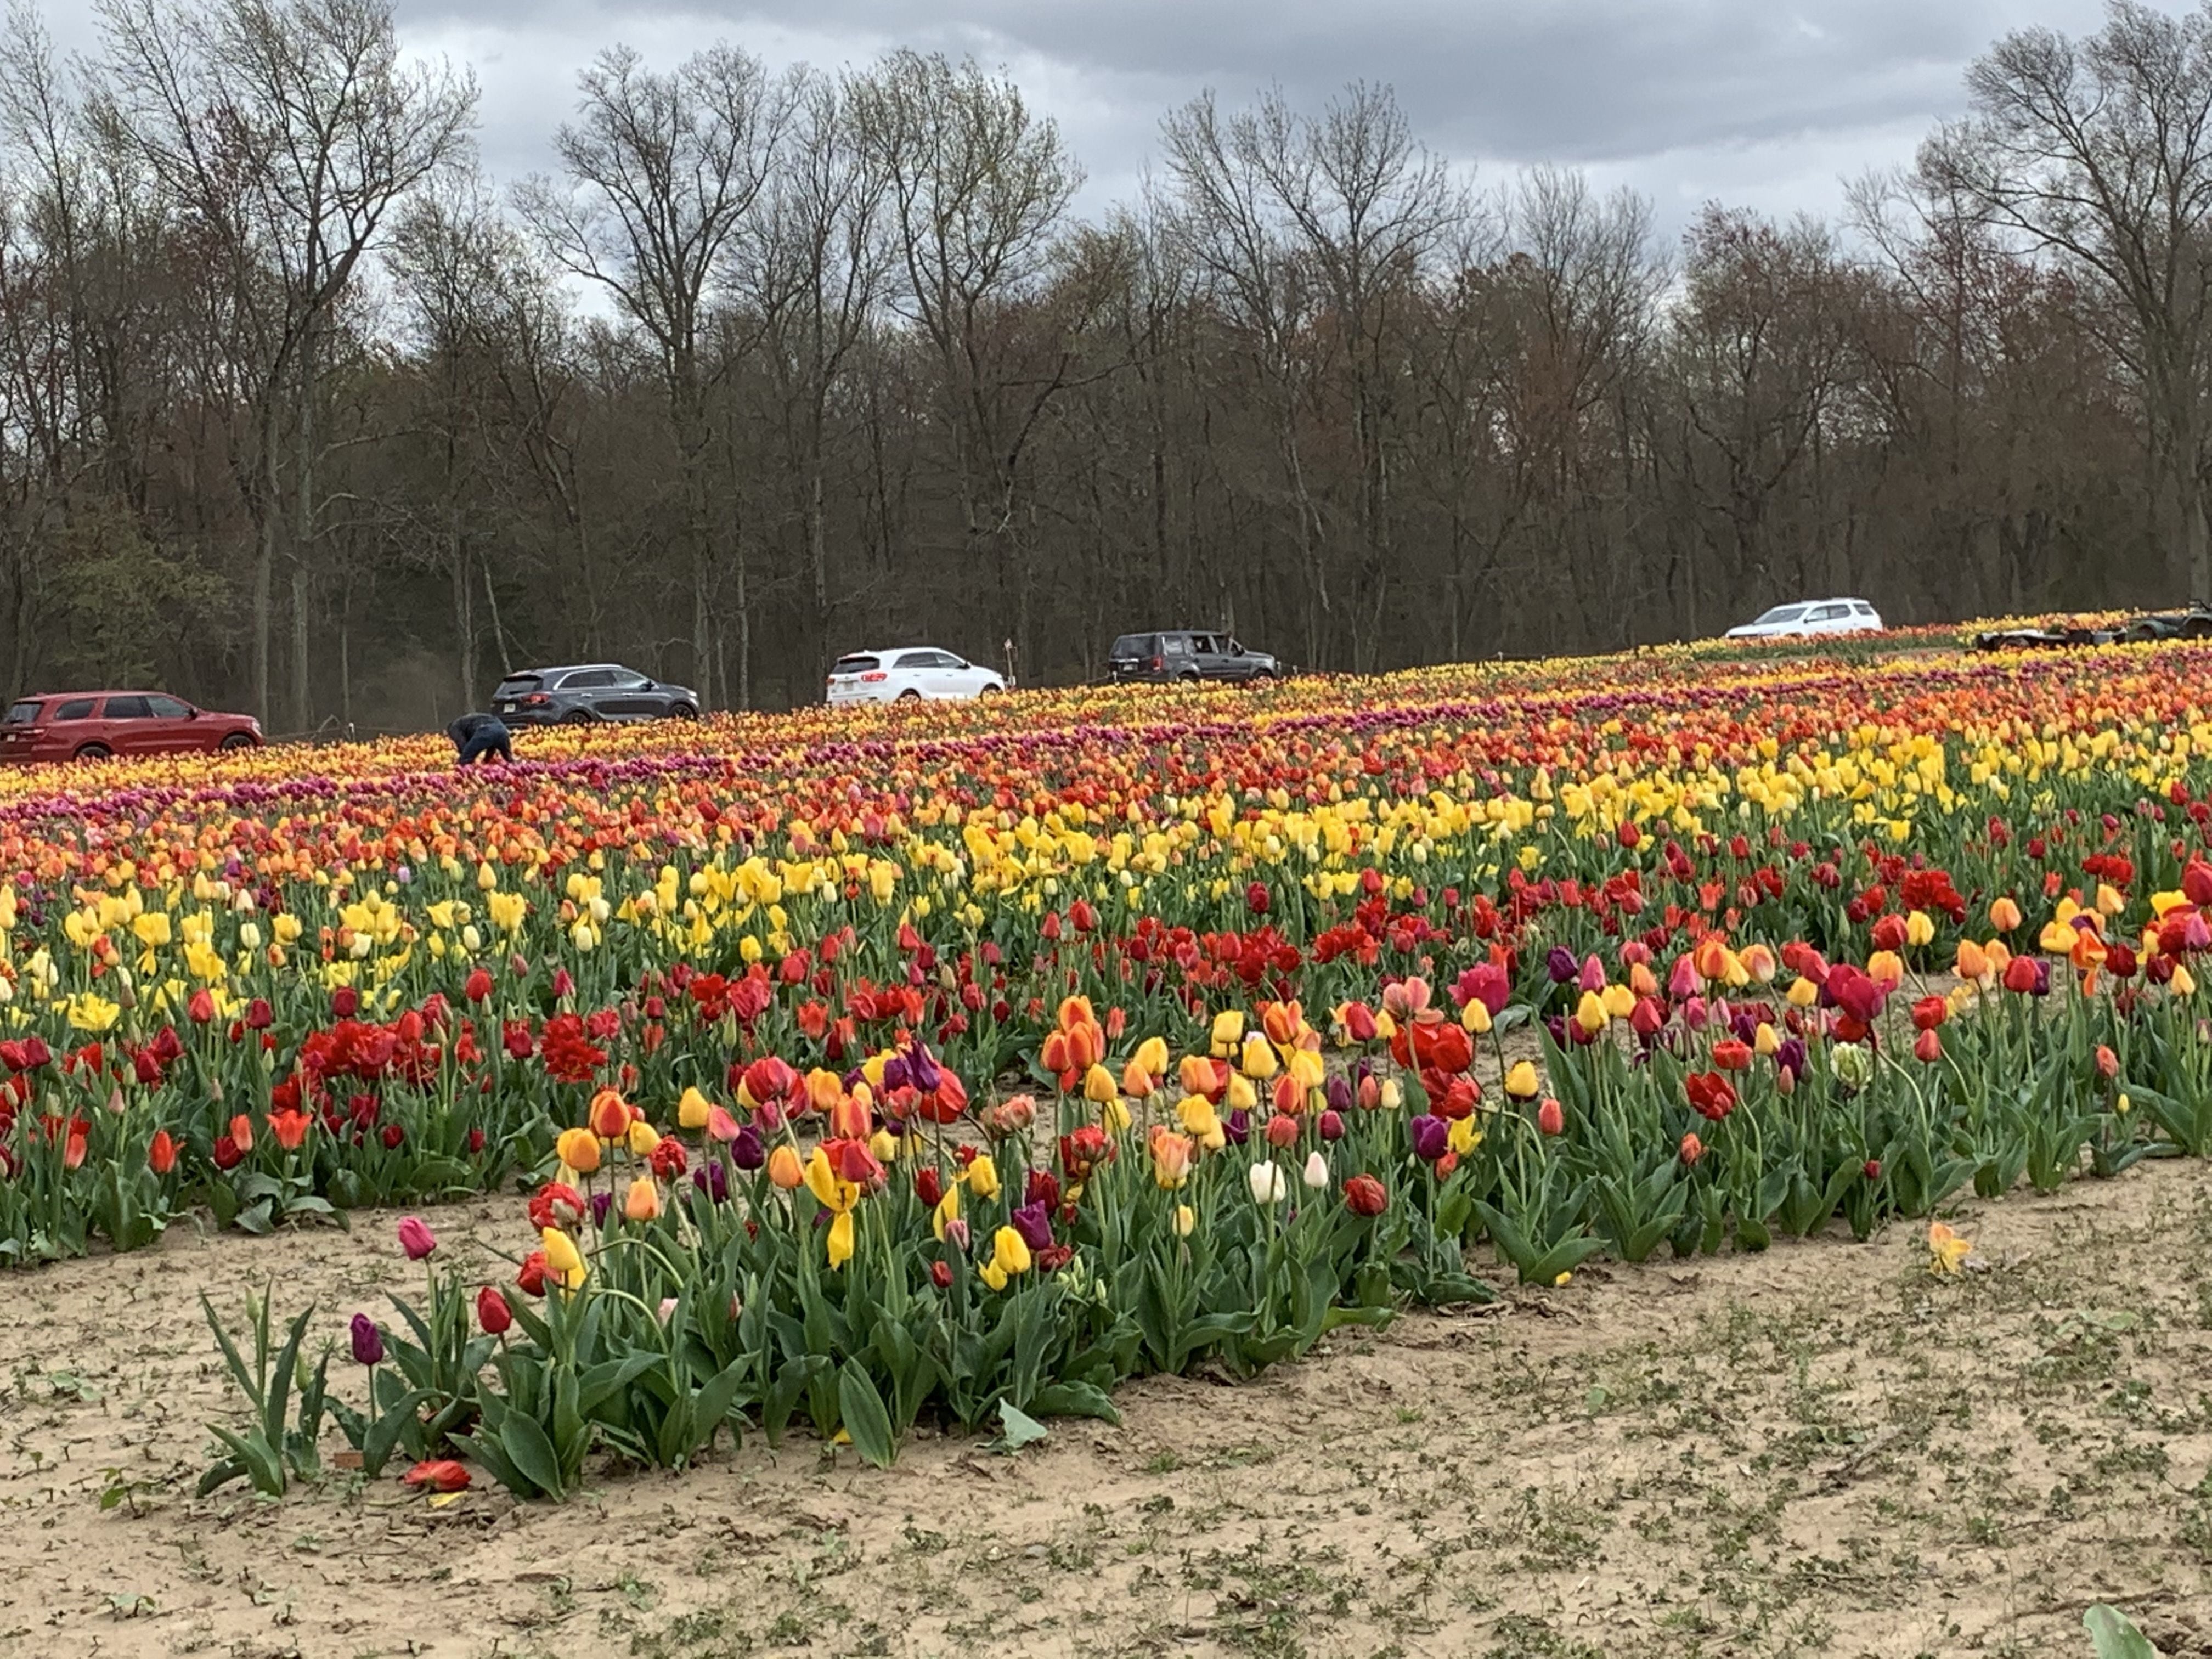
pixel 1803 992
pixel 1620 1002
pixel 642 1139
pixel 693 1110
pixel 1185 1220
pixel 1228 1033
pixel 947 1211
pixel 1098 1086
pixel 1521 1082
pixel 884 1145
pixel 2183 983
pixel 841 1239
pixel 1257 1059
pixel 1113 1116
pixel 561 1252
pixel 1151 1057
pixel 1009 1251
pixel 1464 1136
pixel 1767 1041
pixel 1475 1017
pixel 982 1177
pixel 822 1180
pixel 1242 1095
pixel 1919 929
pixel 992 1275
pixel 1589 1014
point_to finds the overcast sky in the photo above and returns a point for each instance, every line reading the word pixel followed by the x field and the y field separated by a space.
pixel 1750 103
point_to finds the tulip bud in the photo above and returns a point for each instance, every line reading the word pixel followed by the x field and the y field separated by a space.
pixel 368 1341
pixel 492 1311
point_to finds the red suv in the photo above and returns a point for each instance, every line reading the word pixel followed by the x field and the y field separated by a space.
pixel 94 725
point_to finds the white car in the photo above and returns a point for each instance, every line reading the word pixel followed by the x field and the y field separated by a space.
pixel 1811 616
pixel 909 674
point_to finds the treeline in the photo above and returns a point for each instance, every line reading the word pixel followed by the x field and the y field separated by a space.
pixel 299 412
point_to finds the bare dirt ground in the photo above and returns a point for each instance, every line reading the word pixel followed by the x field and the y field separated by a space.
pixel 1818 1450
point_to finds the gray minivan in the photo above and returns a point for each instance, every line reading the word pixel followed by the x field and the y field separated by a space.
pixel 586 693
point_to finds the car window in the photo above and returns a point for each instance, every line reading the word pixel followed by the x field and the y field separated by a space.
pixel 1132 645
pixel 628 679
pixel 128 708
pixel 1782 613
pixel 1862 608
pixel 590 680
pixel 168 708
pixel 516 684
pixel 924 659
pixel 1176 645
pixel 76 708
pixel 1829 613
pixel 25 713
pixel 859 663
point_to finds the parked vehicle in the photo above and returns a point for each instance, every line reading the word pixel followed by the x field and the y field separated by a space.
pixel 95 725
pixel 2193 623
pixel 1808 619
pixel 1187 654
pixel 910 674
pixel 586 693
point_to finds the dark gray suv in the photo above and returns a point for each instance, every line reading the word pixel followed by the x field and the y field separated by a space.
pixel 1188 653
pixel 589 692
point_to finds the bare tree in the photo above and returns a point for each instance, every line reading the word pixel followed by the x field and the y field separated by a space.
pixel 663 173
pixel 980 188
pixel 289 130
pixel 2100 151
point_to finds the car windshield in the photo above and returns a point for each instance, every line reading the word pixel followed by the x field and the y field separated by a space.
pixel 1133 645
pixel 1782 613
pixel 514 684
pixel 25 713
pixel 858 664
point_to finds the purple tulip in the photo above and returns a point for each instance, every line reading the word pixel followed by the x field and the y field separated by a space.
pixel 368 1341
pixel 601 1203
pixel 896 1074
pixel 926 1072
pixel 1034 1225
pixel 712 1179
pixel 1332 1125
pixel 1557 1025
pixel 1432 1138
pixel 1338 1092
pixel 1238 1126
pixel 746 1152
pixel 1560 965
pixel 1791 1055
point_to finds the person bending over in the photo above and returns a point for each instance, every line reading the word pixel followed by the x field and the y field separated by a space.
pixel 478 738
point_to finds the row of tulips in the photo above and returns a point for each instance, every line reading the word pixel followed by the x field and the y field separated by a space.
pixel 867 1248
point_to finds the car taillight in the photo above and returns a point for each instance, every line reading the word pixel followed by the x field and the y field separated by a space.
pixel 536 700
pixel 870 679
pixel 1158 663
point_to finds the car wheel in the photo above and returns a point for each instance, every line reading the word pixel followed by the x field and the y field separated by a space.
pixel 909 697
pixel 238 740
pixel 684 711
pixel 93 751
pixel 1186 679
pixel 990 690
pixel 577 717
pixel 1265 677
pixel 2197 627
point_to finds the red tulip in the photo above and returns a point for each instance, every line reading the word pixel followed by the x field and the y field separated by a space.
pixel 492 1311
pixel 1927 1047
pixel 478 986
pixel 1363 1195
pixel 161 1153
pixel 1552 1117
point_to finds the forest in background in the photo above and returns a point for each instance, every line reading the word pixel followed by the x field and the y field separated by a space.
pixel 302 414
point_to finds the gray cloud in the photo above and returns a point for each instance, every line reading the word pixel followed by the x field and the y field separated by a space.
pixel 1743 100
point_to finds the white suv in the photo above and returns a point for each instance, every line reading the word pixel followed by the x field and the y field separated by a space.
pixel 910 675
pixel 1809 616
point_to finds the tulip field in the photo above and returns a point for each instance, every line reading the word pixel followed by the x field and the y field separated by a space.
pixel 945 1065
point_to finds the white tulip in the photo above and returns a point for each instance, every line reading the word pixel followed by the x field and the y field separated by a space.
pixel 1316 1172
pixel 1267 1183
